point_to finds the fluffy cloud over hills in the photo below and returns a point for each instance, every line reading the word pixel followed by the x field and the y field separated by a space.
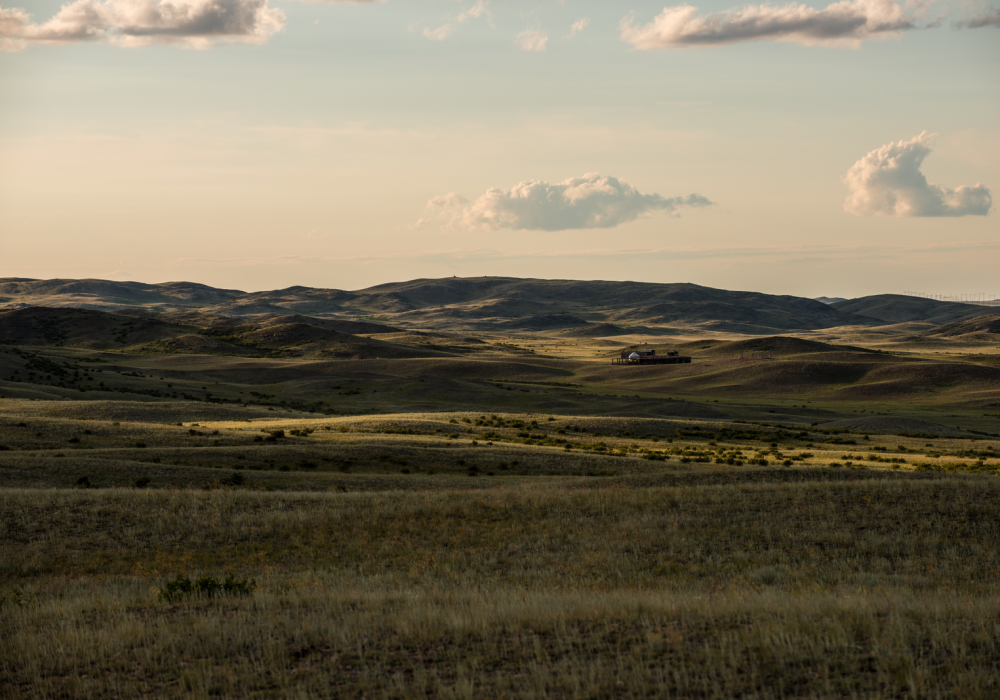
pixel 590 201
pixel 888 182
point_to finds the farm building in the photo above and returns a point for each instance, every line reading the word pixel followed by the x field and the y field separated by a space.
pixel 649 357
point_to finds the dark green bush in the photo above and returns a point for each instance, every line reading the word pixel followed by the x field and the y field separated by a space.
pixel 207 586
pixel 234 479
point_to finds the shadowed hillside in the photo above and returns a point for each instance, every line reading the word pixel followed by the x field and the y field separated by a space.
pixel 82 328
pixel 897 308
pixel 282 336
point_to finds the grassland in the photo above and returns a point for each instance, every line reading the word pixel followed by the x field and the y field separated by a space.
pixel 501 515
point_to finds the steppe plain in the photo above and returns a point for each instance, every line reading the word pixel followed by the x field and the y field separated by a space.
pixel 445 488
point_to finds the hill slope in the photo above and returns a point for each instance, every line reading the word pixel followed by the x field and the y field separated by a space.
pixel 282 336
pixel 483 302
pixel 898 308
pixel 504 298
pixel 980 324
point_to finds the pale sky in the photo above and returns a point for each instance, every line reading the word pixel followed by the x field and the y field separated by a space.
pixel 837 150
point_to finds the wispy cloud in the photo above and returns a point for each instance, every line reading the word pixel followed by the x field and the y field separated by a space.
pixel 193 23
pixel 888 182
pixel 532 40
pixel 847 23
pixel 587 202
pixel 478 9
pixel 992 20
pixel 578 26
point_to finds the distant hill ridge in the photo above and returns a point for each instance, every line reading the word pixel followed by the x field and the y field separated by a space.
pixel 898 308
pixel 479 303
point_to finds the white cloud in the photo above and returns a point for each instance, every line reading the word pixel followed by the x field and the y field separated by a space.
pixel 590 201
pixel 888 182
pixel 578 26
pixel 532 40
pixel 441 33
pixel 194 23
pixel 478 9
pixel 845 23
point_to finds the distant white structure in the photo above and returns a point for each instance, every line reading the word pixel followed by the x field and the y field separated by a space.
pixel 634 356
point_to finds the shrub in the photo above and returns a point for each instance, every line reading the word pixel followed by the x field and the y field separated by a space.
pixel 84 482
pixel 234 479
pixel 206 586
pixel 142 482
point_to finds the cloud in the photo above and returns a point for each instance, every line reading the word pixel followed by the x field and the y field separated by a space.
pixel 845 23
pixel 441 33
pixel 479 9
pixel 578 26
pixel 590 201
pixel 532 40
pixel 194 23
pixel 984 21
pixel 888 182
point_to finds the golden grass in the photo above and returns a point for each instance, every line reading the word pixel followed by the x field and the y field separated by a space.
pixel 826 590
pixel 444 542
pixel 317 635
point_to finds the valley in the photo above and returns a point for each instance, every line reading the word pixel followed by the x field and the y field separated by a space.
pixel 394 491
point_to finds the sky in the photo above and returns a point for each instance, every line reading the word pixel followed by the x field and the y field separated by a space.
pixel 825 149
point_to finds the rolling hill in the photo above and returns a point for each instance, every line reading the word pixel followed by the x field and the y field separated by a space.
pixel 281 336
pixel 474 303
pixel 989 323
pixel 898 308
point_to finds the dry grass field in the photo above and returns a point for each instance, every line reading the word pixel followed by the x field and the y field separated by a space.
pixel 502 515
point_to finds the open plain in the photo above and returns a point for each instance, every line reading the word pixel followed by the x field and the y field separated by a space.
pixel 445 488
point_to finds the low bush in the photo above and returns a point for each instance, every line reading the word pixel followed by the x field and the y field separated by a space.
pixel 206 586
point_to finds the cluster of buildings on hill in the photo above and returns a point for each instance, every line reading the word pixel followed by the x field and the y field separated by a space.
pixel 649 357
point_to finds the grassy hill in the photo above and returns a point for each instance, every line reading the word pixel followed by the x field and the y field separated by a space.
pixel 989 323
pixel 109 294
pixel 280 336
pixel 82 328
pixel 502 302
pixel 615 302
pixel 897 308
